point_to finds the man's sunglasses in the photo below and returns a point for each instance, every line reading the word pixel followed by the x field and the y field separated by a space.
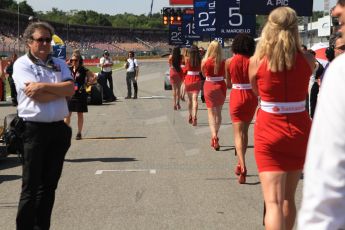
pixel 41 40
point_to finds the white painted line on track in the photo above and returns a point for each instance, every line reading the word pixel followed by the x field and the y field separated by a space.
pixel 160 97
pixel 154 97
pixel 156 120
pixel 151 171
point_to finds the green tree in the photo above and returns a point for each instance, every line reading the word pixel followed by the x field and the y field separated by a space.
pixel 316 15
pixel 55 15
pixel 4 4
pixel 24 8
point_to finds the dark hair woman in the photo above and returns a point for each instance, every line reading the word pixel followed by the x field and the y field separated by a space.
pixel 192 82
pixel 243 101
pixel 78 102
pixel 176 75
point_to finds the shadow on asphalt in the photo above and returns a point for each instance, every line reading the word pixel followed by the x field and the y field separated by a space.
pixel 231 178
pixel 9 178
pixel 6 104
pixel 104 104
pixel 9 162
pixel 232 147
pixel 253 183
pixel 110 138
pixel 110 159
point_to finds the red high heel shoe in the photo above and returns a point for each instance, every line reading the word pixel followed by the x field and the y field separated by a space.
pixel 190 119
pixel 175 107
pixel 242 176
pixel 178 106
pixel 215 141
pixel 238 169
pixel 194 121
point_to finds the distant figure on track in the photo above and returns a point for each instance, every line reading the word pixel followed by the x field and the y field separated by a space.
pixel 78 102
pixel 132 74
pixel 176 75
pixel 192 83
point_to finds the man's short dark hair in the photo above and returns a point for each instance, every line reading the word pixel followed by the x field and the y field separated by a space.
pixel 243 44
pixel 131 52
pixel 34 26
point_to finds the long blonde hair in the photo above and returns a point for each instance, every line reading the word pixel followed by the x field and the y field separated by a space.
pixel 214 51
pixel 279 40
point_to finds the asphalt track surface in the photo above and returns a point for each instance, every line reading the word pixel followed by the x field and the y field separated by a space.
pixel 140 165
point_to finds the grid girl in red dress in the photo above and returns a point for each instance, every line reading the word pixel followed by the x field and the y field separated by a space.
pixel 243 101
pixel 213 69
pixel 279 72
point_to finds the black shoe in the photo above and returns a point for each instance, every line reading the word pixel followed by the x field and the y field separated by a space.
pixel 135 97
pixel 128 97
pixel 203 99
pixel 78 137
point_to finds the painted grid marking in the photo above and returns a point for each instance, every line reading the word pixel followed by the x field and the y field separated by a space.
pixel 151 171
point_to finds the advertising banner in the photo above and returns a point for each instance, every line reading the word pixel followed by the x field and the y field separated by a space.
pixel 188 27
pixel 175 34
pixel 230 21
pixel 205 17
pixel 181 2
pixel 264 7
pixel 59 51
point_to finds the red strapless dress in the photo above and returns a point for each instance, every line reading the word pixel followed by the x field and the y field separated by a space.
pixel 192 81
pixel 214 91
pixel 243 102
pixel 281 138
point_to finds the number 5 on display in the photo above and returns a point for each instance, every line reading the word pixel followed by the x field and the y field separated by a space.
pixel 233 14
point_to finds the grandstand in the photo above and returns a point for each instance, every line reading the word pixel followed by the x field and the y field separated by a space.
pixel 91 40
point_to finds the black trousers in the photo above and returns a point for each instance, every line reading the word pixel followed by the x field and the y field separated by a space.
pixel 130 77
pixel 108 94
pixel 13 89
pixel 45 147
pixel 109 79
pixel 313 98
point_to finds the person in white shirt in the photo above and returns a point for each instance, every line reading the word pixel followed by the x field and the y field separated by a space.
pixel 132 69
pixel 323 203
pixel 42 83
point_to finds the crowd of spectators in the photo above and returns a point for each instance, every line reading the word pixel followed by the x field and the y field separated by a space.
pixel 88 39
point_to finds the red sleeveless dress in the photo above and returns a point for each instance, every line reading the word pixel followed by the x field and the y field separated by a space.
pixel 176 77
pixel 214 91
pixel 192 81
pixel 281 138
pixel 243 102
